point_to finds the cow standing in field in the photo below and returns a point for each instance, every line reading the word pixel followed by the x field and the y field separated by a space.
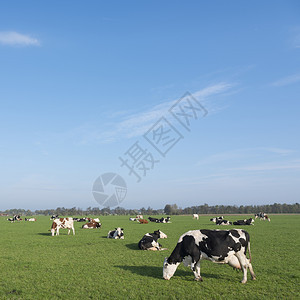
pixel 244 222
pixel 62 223
pixel 116 234
pixel 149 241
pixel 196 216
pixel 262 216
pixel 219 246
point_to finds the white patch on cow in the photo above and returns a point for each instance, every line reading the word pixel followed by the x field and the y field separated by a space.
pixel 162 235
pixel 198 236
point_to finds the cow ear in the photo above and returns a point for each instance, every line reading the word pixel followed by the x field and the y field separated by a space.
pixel 116 228
pixel 122 229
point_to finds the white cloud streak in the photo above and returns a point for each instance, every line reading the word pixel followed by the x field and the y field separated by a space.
pixel 286 80
pixel 12 38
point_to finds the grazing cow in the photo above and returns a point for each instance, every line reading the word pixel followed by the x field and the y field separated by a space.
pixel 196 216
pixel 91 225
pixel 53 217
pixel 62 223
pixel 262 216
pixel 244 222
pixel 116 234
pixel 149 241
pixel 219 246
pixel 142 221
pixel 30 219
pixel 217 218
pixel 139 217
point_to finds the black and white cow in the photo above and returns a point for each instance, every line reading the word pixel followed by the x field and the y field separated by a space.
pixel 155 220
pixel 149 241
pixel 30 219
pixel 220 221
pixel 217 219
pixel 244 222
pixel 14 218
pixel 116 234
pixel 219 246
pixel 223 222
pixel 262 216
pixel 53 217
pixel 164 220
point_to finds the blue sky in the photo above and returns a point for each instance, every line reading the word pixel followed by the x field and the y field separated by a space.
pixel 81 82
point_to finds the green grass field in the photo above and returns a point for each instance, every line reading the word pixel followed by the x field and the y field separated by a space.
pixel 35 265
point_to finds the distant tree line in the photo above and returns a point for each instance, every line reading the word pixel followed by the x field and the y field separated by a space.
pixel 169 209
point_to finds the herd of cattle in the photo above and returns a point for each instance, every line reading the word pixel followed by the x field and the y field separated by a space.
pixel 219 246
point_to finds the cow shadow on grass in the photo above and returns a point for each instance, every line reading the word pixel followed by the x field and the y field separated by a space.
pixel 156 272
pixel 45 233
pixel 133 246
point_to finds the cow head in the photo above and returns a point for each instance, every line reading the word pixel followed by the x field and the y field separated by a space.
pixel 169 269
pixel 119 233
pixel 160 234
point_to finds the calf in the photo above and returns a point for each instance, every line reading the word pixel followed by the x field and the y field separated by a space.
pixel 62 223
pixel 219 246
pixel 196 216
pixel 91 225
pixel 149 241
pixel 244 222
pixel 30 219
pixel 116 234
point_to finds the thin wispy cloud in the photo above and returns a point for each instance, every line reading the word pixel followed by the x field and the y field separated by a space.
pixel 287 80
pixel 12 38
pixel 125 124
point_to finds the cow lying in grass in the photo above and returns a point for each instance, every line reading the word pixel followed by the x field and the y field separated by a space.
pixel 149 241
pixel 116 234
pixel 244 222
pixel 219 246
pixel 91 225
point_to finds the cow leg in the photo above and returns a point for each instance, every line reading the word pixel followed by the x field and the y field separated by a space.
pixel 243 262
pixel 251 270
pixel 197 272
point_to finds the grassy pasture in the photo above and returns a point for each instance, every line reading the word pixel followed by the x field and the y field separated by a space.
pixel 35 265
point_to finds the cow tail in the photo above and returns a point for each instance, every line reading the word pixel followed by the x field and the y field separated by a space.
pixel 250 258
